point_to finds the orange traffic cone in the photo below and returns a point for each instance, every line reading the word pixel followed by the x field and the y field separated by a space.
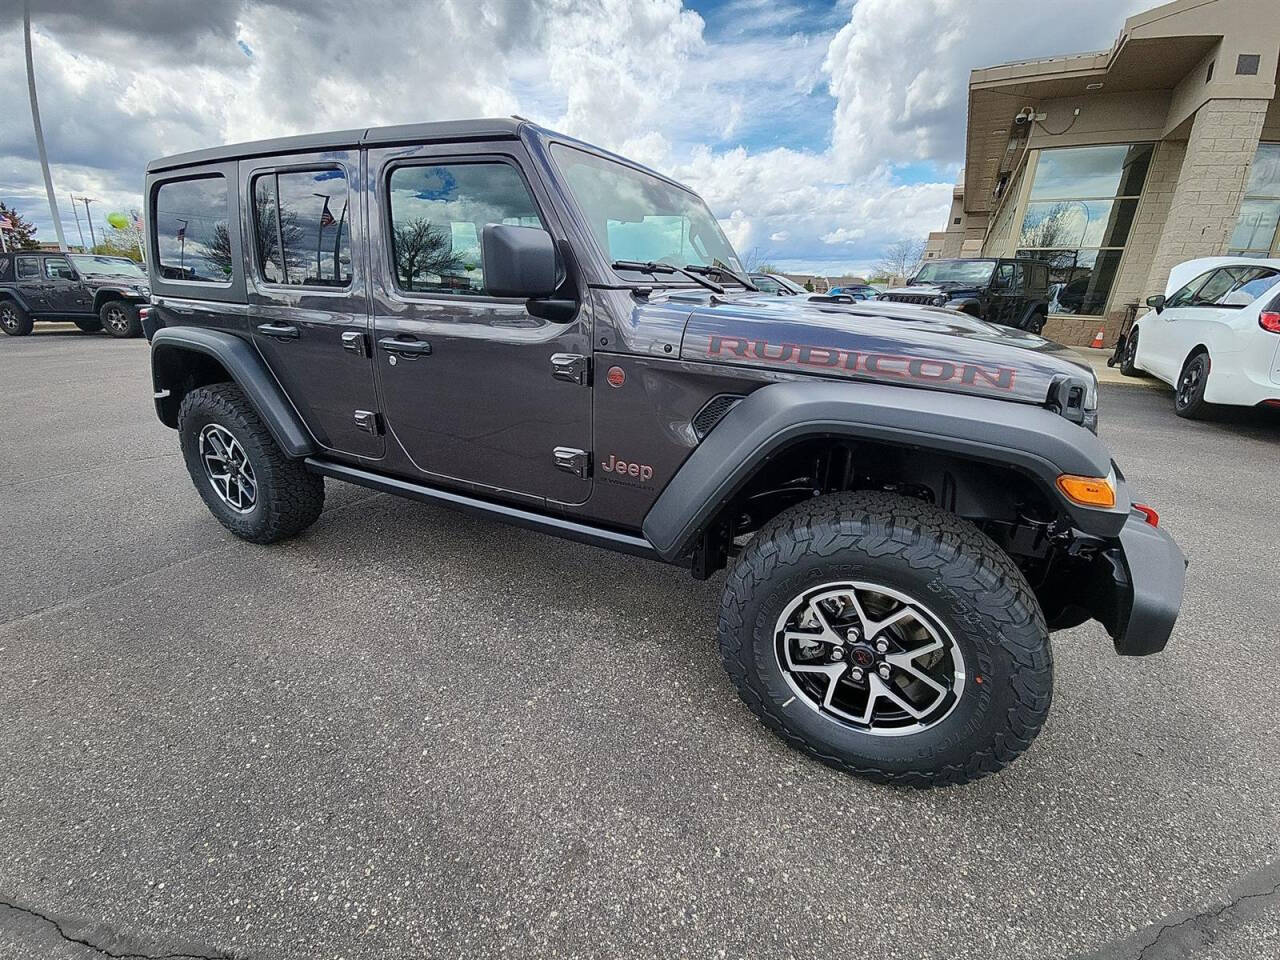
pixel 1097 340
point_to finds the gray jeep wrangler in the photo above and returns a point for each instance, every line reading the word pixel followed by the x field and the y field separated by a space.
pixel 92 291
pixel 497 318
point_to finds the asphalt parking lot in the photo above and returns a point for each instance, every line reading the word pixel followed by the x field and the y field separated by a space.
pixel 410 733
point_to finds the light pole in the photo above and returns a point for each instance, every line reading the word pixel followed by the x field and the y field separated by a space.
pixel 320 232
pixel 88 200
pixel 35 119
pixel 76 213
pixel 182 248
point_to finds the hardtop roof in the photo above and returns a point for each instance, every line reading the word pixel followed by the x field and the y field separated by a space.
pixel 497 128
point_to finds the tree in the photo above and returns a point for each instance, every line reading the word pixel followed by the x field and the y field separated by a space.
pixel 1052 229
pixel 901 259
pixel 808 285
pixel 419 248
pixel 22 236
pixel 756 260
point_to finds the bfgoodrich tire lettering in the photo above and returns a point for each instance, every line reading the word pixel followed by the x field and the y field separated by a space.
pixel 286 498
pixel 978 596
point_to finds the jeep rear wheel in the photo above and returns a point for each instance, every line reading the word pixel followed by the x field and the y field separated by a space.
pixel 243 477
pixel 120 319
pixel 888 638
pixel 13 319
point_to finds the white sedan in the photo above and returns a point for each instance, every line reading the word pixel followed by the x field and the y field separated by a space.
pixel 1214 336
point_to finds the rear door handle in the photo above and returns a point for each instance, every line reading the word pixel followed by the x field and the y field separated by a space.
pixel 282 331
pixel 409 346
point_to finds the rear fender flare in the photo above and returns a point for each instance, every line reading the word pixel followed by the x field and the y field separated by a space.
pixel 172 350
pixel 1021 436
pixel 12 294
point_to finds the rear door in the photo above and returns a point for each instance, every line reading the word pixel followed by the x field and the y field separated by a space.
pixel 477 390
pixel 29 275
pixel 307 291
pixel 1006 293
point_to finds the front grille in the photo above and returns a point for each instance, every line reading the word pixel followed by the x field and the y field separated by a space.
pixel 713 412
pixel 922 298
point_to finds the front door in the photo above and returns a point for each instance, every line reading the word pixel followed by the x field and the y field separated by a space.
pixel 308 295
pixel 469 387
pixel 64 292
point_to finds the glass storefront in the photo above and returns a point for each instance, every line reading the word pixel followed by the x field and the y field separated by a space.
pixel 1079 212
pixel 1255 232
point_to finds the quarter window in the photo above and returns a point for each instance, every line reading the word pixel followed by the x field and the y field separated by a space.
pixel 302 230
pixel 192 239
pixel 28 268
pixel 437 213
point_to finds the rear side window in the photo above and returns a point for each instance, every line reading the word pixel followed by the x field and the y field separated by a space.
pixel 1253 285
pixel 301 229
pixel 28 268
pixel 5 267
pixel 437 213
pixel 192 239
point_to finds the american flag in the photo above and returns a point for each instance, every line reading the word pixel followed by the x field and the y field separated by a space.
pixel 6 223
pixel 182 232
pixel 326 218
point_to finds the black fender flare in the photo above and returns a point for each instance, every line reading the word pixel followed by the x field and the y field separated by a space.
pixel 103 294
pixel 1037 306
pixel 171 349
pixel 1028 438
pixel 969 305
pixel 10 293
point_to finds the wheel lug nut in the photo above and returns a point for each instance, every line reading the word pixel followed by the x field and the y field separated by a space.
pixel 837 654
pixel 856 674
pixel 882 646
pixel 853 635
pixel 883 671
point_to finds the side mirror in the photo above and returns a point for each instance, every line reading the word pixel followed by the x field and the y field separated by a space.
pixel 66 274
pixel 1156 303
pixel 518 262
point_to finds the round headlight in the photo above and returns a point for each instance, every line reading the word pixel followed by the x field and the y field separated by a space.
pixel 939 301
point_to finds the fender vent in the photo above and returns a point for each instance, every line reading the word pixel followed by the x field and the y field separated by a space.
pixel 713 412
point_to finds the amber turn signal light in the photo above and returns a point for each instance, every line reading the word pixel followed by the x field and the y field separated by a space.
pixel 1089 491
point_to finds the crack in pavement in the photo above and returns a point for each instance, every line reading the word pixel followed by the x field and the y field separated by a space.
pixel 1206 924
pixel 97 948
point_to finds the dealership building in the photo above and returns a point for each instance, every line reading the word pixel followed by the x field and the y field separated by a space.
pixel 1114 166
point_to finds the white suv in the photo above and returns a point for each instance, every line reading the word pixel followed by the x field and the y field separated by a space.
pixel 1214 335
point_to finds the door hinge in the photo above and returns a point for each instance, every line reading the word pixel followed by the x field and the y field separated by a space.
pixel 570 367
pixel 573 460
pixel 368 421
pixel 353 342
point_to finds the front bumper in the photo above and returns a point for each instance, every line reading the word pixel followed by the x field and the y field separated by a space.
pixel 1136 588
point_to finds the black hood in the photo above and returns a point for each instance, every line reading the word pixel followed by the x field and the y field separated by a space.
pixel 932 289
pixel 873 340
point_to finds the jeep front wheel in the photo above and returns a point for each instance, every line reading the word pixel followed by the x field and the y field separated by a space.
pixel 888 638
pixel 243 477
pixel 14 321
pixel 120 319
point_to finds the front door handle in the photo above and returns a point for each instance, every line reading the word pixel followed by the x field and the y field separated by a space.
pixel 282 331
pixel 406 345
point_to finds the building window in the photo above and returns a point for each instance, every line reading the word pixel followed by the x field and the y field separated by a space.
pixel 1080 209
pixel 1255 232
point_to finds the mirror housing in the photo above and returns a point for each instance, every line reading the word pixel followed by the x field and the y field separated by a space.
pixel 1156 303
pixel 518 262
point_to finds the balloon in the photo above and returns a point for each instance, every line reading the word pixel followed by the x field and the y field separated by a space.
pixel 118 220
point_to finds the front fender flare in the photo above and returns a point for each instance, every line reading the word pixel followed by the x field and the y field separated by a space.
pixel 172 346
pixel 1019 435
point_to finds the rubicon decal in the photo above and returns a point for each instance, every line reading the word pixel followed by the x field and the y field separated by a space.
pixel 640 471
pixel 879 365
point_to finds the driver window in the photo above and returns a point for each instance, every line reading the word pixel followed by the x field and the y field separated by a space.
pixel 55 268
pixel 437 213
pixel 1218 284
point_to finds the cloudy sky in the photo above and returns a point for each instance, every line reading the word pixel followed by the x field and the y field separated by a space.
pixel 818 131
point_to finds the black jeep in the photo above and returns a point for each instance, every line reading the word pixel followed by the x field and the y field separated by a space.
pixel 1014 293
pixel 500 319
pixel 92 291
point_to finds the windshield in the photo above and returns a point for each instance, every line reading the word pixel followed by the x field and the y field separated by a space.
pixel 108 266
pixel 956 271
pixel 636 216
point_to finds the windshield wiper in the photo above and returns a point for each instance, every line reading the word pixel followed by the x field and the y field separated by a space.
pixel 649 266
pixel 720 270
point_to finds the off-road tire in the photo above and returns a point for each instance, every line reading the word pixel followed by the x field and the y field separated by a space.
pixel 288 497
pixel 1190 403
pixel 1129 355
pixel 89 326
pixel 972 587
pixel 120 319
pixel 14 321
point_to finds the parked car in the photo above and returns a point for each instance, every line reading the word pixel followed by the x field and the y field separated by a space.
pixel 776 284
pixel 521 325
pixel 94 292
pixel 858 291
pixel 1011 292
pixel 1214 335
